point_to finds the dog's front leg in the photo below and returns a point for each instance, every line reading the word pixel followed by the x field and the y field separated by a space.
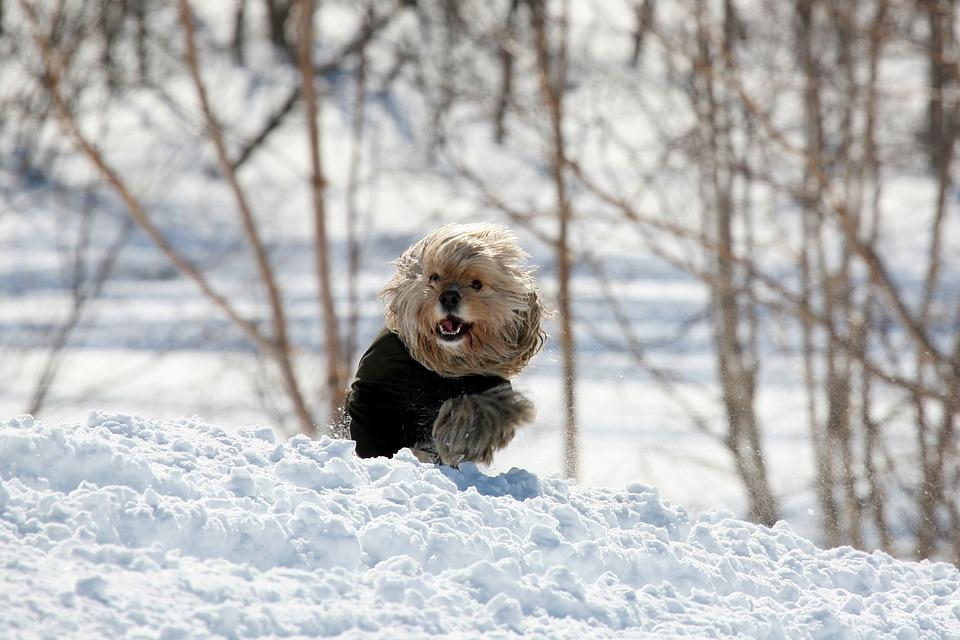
pixel 472 427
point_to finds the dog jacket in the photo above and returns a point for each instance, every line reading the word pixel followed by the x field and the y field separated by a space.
pixel 394 400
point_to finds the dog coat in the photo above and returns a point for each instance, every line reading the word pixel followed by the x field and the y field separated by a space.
pixel 394 399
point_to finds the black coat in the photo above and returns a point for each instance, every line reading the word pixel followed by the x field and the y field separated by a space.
pixel 394 399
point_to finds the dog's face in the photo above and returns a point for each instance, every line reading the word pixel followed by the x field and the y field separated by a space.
pixel 463 303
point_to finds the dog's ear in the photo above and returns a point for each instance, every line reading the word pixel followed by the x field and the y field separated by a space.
pixel 530 333
pixel 409 269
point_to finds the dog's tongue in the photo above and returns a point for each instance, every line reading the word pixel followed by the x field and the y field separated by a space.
pixel 448 325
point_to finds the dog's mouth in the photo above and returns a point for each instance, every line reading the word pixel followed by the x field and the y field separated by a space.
pixel 452 329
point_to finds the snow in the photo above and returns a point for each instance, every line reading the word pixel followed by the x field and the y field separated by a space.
pixel 121 526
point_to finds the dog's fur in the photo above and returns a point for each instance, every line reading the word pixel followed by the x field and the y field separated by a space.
pixel 473 427
pixel 505 312
pixel 502 320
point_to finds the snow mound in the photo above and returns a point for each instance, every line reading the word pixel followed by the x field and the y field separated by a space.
pixel 122 526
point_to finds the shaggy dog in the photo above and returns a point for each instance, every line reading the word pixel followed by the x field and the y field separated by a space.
pixel 462 317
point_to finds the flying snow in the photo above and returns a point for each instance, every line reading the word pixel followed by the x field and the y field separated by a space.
pixel 127 527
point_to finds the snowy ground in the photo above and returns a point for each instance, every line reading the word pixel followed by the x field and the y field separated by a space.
pixel 126 527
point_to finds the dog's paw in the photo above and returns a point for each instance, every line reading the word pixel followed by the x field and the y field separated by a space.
pixel 472 427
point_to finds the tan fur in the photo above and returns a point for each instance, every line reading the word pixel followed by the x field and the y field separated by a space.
pixel 505 313
pixel 504 318
pixel 473 427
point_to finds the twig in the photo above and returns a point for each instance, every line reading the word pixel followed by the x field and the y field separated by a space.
pixel 335 382
pixel 280 343
pixel 52 81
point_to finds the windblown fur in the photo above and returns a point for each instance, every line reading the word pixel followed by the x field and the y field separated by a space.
pixel 504 313
pixel 472 427
pixel 462 317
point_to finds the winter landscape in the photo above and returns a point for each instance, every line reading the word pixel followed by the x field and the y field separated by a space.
pixel 743 216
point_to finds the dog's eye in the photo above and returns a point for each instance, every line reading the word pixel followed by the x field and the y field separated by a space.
pixel 434 277
pixel 476 284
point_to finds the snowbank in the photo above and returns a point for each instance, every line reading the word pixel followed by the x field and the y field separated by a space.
pixel 124 527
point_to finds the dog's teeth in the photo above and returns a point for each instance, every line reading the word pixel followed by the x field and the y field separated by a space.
pixel 449 329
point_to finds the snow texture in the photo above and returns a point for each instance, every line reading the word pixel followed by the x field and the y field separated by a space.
pixel 126 527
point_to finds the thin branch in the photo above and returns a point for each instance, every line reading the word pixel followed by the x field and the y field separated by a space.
pixel 785 299
pixel 51 80
pixel 335 381
pixel 84 291
pixel 355 46
pixel 281 350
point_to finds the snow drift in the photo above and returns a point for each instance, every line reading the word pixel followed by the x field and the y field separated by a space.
pixel 122 526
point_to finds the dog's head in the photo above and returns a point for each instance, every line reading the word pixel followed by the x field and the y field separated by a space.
pixel 464 304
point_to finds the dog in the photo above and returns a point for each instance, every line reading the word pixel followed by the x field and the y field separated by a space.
pixel 463 316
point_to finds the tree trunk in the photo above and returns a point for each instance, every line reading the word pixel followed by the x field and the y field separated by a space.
pixel 110 19
pixel 143 61
pixel 838 286
pixel 239 41
pixel 940 23
pixel 813 271
pixel 335 377
pixel 281 348
pixel 644 13
pixel 936 444
pixel 357 126
pixel 278 12
pixel 737 366
pixel 506 73
pixel 551 69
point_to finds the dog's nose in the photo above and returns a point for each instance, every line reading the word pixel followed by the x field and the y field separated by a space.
pixel 449 300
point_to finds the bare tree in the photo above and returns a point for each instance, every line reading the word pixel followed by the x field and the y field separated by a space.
pixel 278 14
pixel 336 375
pixel 552 74
pixel 277 346
pixel 506 72
pixel 353 209
pixel 733 324
pixel 812 244
pixel 59 32
pixel 851 327
pixel 238 43
pixel 86 284
pixel 280 343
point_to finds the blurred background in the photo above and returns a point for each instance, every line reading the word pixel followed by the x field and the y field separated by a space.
pixel 744 213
